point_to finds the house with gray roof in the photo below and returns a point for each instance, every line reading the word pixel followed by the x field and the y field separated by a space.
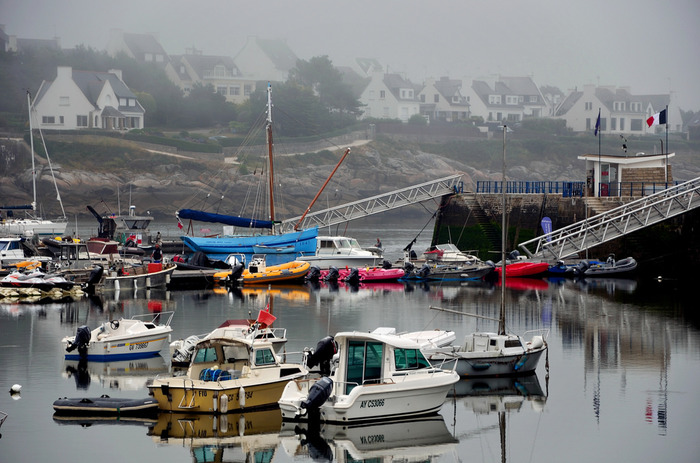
pixel 221 72
pixel 442 100
pixel 144 48
pixel 508 99
pixel 390 96
pixel 265 59
pixel 621 112
pixel 86 99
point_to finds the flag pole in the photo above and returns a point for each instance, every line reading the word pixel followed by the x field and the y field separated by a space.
pixel 666 179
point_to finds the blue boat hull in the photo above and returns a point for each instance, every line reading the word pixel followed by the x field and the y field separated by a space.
pixel 278 248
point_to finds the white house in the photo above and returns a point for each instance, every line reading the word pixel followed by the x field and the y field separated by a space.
pixel 389 96
pixel 638 175
pixel 87 99
pixel 442 100
pixel 218 71
pixel 509 99
pixel 265 60
pixel 621 112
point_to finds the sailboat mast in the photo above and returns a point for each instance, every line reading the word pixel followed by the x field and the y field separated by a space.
pixel 502 318
pixel 271 171
pixel 31 145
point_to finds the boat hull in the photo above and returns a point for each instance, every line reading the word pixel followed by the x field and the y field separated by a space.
pixel 185 395
pixel 124 349
pixel 303 242
pixel 376 402
pixel 479 364
pixel 523 269
pixel 105 405
pixel 156 279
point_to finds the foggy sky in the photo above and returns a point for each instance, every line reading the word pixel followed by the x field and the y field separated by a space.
pixel 647 45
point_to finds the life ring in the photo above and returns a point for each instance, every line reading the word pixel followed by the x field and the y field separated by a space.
pixel 114 324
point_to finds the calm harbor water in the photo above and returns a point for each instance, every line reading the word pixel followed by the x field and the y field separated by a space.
pixel 619 382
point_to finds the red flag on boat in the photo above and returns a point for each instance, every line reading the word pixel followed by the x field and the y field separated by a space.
pixel 179 224
pixel 265 318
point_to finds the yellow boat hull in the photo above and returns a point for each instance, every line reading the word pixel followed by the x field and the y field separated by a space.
pixel 188 396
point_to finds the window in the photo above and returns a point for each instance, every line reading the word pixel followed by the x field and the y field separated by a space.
pixel 636 125
pixel 234 90
pixel 382 94
pixel 364 363
pixel 148 57
pixel 613 123
pixel 60 119
pixel 247 89
pixel 622 123
pixel 64 101
pixel 264 357
pixel 222 90
pixel 588 106
pixel 533 98
pixel 410 359
pixel 82 121
pixel 48 120
pixel 436 98
pixel 207 354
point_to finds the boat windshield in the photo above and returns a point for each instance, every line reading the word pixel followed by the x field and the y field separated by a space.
pixel 409 359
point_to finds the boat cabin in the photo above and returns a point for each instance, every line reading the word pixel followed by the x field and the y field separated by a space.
pixel 229 358
pixel 368 359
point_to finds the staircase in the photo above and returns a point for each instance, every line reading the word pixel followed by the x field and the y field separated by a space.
pixel 490 231
pixel 615 222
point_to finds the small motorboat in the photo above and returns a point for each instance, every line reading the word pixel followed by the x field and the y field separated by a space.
pixel 37 280
pixel 227 373
pixel 127 338
pixel 523 269
pixel 611 267
pixel 258 272
pixel 105 405
pixel 362 274
pixel 374 376
pixel 449 254
pixel 448 272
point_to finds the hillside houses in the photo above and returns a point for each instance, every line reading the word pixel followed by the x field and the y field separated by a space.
pixel 621 111
pixel 382 95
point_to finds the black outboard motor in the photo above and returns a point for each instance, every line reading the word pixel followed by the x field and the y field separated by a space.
pixel 408 268
pixel 318 394
pixel 424 271
pixel 353 277
pixel 236 272
pixel 332 274
pixel 93 279
pixel 314 274
pixel 81 341
pixel 513 255
pixel 386 265
pixel 325 349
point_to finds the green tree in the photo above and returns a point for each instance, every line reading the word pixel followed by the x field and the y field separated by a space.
pixel 326 81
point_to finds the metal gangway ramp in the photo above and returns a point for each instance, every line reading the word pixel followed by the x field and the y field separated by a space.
pixel 614 223
pixel 376 204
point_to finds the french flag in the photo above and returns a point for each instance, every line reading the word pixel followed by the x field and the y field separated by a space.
pixel 658 118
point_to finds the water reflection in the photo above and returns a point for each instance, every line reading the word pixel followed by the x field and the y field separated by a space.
pixel 424 438
pixel 125 375
pixel 252 436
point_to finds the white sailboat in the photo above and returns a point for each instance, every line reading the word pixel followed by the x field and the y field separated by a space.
pixel 32 224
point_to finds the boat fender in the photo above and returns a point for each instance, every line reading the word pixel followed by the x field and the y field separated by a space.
pixel 318 394
pixel 536 342
pixel 241 397
pixel 223 406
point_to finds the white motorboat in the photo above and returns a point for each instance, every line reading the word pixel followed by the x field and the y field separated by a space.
pixel 449 253
pixel 181 349
pixel 341 252
pixel 428 339
pixel 127 338
pixel 374 376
